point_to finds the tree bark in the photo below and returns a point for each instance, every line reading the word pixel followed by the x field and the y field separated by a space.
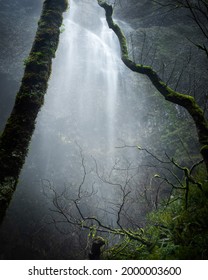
pixel 188 102
pixel 15 139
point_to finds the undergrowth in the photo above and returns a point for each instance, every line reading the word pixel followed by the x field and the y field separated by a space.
pixel 178 230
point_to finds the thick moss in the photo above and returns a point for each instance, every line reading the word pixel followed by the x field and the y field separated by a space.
pixel 15 139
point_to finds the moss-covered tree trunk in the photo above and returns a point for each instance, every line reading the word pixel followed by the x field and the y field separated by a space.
pixel 186 101
pixel 15 139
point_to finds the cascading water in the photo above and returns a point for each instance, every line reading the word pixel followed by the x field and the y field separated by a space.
pixel 86 112
pixel 86 79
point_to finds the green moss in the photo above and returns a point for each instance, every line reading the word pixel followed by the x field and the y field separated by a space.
pixel 7 191
pixel 35 57
pixel 175 232
pixel 186 101
pixel 15 139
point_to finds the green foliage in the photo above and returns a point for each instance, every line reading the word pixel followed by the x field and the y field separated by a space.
pixel 175 232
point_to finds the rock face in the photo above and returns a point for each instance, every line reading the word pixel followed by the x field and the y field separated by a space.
pixel 18 23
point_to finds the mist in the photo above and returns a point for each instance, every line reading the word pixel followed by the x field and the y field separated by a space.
pixel 87 115
pixel 100 140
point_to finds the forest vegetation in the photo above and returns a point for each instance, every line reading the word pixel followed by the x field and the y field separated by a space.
pixel 162 208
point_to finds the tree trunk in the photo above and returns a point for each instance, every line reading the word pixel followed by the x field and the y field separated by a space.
pixel 186 101
pixel 15 139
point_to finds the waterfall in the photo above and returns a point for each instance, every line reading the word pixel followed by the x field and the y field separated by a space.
pixel 90 105
pixel 86 85
pixel 83 96
pixel 86 75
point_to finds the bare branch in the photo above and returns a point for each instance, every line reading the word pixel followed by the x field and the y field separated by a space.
pixel 188 102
